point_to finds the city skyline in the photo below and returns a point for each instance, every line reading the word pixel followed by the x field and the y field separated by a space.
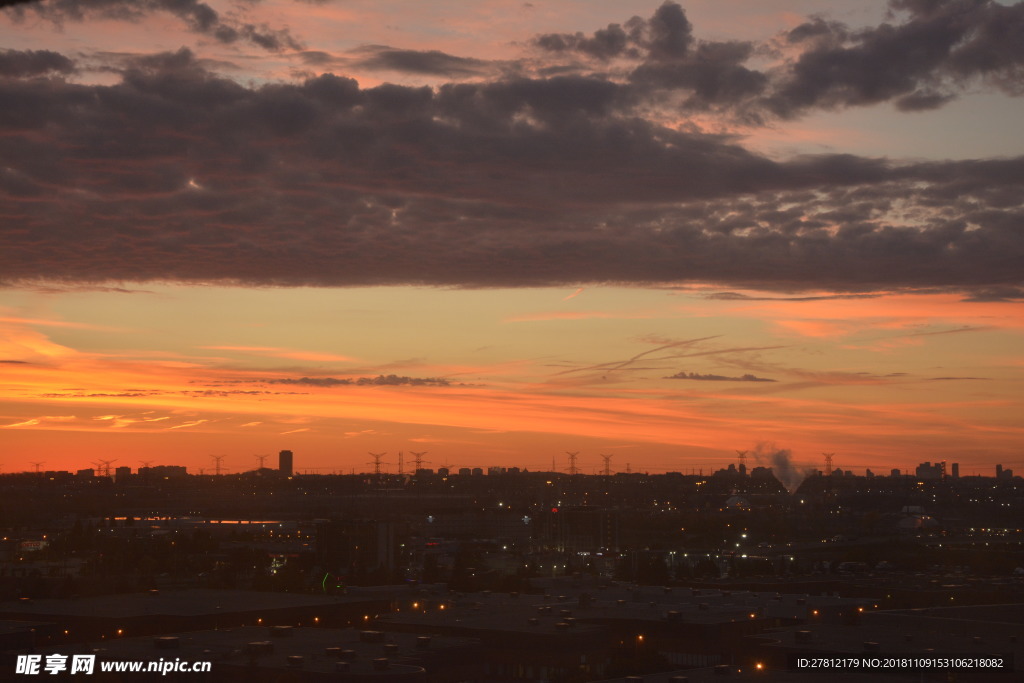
pixel 779 464
pixel 660 231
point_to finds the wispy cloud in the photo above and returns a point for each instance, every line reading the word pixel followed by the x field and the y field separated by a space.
pixel 43 322
pixel 669 349
pixel 579 290
pixel 42 420
pixel 718 378
pixel 817 328
pixel 584 315
pixel 186 425
pixel 292 354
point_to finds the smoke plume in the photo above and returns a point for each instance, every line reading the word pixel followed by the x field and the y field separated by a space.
pixel 780 460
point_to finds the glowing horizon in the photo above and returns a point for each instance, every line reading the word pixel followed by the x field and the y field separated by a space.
pixel 536 366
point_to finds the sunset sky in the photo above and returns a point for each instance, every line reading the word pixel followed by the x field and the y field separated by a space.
pixel 499 231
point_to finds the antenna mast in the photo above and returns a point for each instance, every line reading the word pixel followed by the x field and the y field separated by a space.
pixel 828 463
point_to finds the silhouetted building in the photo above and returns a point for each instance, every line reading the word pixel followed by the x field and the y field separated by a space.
pixel 357 549
pixel 163 472
pixel 581 529
pixel 285 463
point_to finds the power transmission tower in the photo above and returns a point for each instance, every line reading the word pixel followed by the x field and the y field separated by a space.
pixel 376 462
pixel 607 464
pixel 37 464
pixel 418 460
pixel 572 462
pixel 217 460
pixel 743 459
pixel 401 463
pixel 262 459
pixel 103 466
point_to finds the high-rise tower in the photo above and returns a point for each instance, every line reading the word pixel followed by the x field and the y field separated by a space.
pixel 285 462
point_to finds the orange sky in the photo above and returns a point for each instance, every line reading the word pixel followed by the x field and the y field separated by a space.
pixel 500 231
pixel 886 381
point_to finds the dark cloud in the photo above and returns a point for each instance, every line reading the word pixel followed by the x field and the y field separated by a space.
pixel 932 52
pixel 321 58
pixel 713 76
pixel 378 381
pixel 16 362
pixel 667 35
pixel 736 296
pixel 30 63
pixel 74 287
pixel 928 54
pixel 429 62
pixel 1000 294
pixel 199 17
pixel 945 379
pixel 176 173
pixel 957 330
pixel 718 378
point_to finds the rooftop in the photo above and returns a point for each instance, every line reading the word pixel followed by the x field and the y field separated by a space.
pixel 189 602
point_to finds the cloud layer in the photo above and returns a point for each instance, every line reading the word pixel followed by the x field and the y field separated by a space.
pixel 553 174
pixel 198 17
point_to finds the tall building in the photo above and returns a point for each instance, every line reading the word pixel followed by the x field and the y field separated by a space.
pixel 356 547
pixel 956 470
pixel 285 463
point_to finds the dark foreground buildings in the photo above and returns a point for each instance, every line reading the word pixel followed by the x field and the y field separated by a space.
pixel 510 576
